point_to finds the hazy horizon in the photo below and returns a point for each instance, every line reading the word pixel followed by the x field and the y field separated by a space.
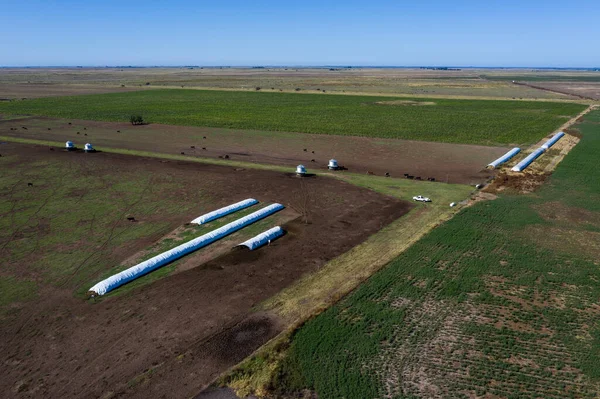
pixel 317 66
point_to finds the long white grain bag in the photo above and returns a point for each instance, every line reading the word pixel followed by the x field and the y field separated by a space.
pixel 552 140
pixel 504 158
pixel 263 238
pixel 528 160
pixel 151 264
pixel 224 211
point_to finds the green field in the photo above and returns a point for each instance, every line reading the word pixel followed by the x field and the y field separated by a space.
pixel 499 302
pixel 453 121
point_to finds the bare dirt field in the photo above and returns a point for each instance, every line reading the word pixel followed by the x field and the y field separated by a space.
pixel 452 163
pixel 172 337
pixel 24 90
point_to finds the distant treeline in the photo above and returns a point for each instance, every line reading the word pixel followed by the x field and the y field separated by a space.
pixel 441 68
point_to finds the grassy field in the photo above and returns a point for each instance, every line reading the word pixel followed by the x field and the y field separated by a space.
pixel 42 82
pixel 77 242
pixel 442 120
pixel 501 301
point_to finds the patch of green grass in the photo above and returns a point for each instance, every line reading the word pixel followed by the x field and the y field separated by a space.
pixel 71 224
pixel 454 121
pixel 482 305
pixel 441 194
pixel 16 290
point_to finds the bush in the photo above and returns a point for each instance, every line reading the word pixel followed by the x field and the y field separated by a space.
pixel 136 120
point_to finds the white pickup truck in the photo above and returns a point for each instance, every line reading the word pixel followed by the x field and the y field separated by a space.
pixel 420 198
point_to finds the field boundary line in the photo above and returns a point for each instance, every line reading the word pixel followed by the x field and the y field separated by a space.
pixel 378 94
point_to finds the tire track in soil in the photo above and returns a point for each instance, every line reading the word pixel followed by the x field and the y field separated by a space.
pixel 42 206
pixel 14 203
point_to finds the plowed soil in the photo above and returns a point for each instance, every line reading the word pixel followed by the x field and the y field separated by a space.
pixel 451 163
pixel 172 337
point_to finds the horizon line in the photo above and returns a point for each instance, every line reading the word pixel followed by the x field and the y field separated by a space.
pixel 316 66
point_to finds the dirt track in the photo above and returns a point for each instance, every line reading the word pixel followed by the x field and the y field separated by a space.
pixel 583 90
pixel 172 337
pixel 452 163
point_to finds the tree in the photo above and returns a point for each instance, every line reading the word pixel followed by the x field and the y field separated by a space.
pixel 136 120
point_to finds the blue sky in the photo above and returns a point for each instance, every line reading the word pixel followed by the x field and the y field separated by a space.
pixel 408 33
